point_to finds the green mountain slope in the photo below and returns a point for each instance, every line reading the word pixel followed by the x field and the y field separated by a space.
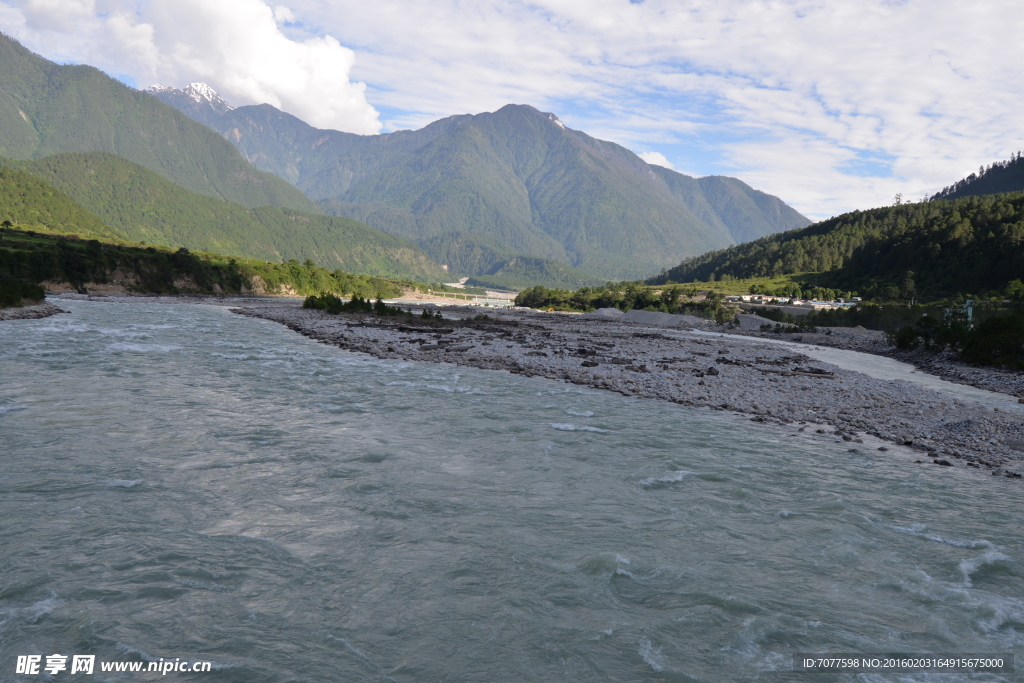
pixel 322 163
pixel 516 180
pixel 1002 176
pixel 46 108
pixel 30 201
pixel 128 201
pixel 937 248
pixel 521 272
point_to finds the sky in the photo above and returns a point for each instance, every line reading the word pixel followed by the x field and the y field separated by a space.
pixel 831 105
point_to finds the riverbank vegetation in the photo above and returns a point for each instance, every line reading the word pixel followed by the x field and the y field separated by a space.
pixel 997 340
pixel 357 304
pixel 19 293
pixel 626 296
pixel 52 260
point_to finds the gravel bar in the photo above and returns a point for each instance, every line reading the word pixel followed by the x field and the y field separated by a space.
pixel 749 376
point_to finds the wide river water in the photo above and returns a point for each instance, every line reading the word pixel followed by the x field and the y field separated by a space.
pixel 181 482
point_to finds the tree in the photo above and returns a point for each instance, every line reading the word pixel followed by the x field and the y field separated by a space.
pixel 1015 290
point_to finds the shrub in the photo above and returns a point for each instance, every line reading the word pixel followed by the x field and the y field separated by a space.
pixel 997 341
pixel 905 338
pixel 14 292
pixel 357 304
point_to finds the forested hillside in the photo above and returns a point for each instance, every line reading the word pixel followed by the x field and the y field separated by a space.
pixel 935 249
pixel 101 195
pixel 1002 176
pixel 29 258
pixel 47 108
pixel 25 198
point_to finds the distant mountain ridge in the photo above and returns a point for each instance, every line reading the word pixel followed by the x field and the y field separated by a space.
pixel 479 190
pixel 48 108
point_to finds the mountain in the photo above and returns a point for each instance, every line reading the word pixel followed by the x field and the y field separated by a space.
pixel 515 181
pixel 47 108
pixel 520 272
pixel 1002 176
pixel 937 249
pixel 27 199
pixel 102 195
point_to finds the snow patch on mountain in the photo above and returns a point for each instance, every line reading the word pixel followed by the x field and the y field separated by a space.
pixel 198 93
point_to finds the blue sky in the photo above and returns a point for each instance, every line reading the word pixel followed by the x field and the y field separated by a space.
pixel 831 106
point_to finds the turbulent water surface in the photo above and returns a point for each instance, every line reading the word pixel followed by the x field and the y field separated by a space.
pixel 178 481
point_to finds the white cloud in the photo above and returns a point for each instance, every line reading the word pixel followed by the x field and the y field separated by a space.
pixel 657 159
pixel 921 86
pixel 237 46
pixel 283 15
pixel 57 15
pixel 830 105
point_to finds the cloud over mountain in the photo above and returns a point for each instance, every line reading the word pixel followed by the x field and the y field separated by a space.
pixel 240 47
pixel 834 105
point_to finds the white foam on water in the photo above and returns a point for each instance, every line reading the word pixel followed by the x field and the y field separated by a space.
pixel 578 413
pixel 619 571
pixel 123 483
pixel 232 356
pixel 143 348
pixel 651 656
pixel 10 409
pixel 37 610
pixel 567 427
pixel 918 529
pixel 127 649
pixel 671 478
pixel 961 544
pixel 971 565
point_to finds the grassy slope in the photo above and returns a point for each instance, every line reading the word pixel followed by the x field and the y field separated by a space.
pixel 46 108
pixel 139 205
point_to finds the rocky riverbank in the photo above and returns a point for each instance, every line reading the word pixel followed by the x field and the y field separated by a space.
pixel 768 382
pixel 943 364
pixel 30 312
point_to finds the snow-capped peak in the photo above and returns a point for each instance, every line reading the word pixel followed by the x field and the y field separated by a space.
pixel 200 92
pixel 156 87
pixel 554 119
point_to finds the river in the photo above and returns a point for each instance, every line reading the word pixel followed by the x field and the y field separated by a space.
pixel 181 482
